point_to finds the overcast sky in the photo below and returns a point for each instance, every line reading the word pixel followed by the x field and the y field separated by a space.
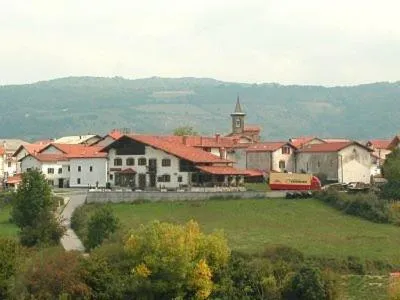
pixel 325 42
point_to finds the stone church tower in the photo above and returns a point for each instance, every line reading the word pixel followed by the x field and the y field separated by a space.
pixel 238 119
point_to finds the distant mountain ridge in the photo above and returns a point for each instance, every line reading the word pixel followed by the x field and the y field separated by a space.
pixel 80 105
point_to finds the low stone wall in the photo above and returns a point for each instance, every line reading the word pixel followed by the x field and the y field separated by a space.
pixel 129 196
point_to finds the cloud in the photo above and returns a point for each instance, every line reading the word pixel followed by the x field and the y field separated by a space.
pixel 286 41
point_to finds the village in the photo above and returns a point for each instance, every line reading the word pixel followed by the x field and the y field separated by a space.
pixel 140 162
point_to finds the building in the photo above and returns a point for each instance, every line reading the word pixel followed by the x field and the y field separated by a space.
pixel 88 139
pixel 246 134
pixel 271 156
pixel 10 164
pixel 153 162
pixel 108 138
pixel 394 143
pixel 300 142
pixel 69 165
pixel 339 162
pixel 24 150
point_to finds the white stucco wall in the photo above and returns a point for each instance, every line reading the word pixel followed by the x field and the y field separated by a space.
pixel 151 153
pixel 277 156
pixel 356 163
pixel 30 162
pixel 87 177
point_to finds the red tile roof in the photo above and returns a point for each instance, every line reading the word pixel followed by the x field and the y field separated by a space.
pixel 17 178
pixel 222 170
pixel 330 147
pixel 202 141
pixel 44 157
pixel 254 172
pixel 115 134
pixel 379 144
pixel 30 148
pixel 252 128
pixel 2 151
pixel 301 140
pixel 267 146
pixel 78 150
pixel 177 149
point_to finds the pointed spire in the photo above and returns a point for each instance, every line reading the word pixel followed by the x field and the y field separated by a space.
pixel 238 108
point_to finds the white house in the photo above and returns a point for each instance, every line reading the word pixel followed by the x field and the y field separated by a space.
pixel 87 139
pixel 10 163
pixel 153 162
pixel 339 161
pixel 69 165
pixel 271 156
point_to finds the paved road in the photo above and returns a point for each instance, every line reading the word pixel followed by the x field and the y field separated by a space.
pixel 70 240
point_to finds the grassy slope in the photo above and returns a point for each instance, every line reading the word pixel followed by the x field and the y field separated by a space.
pixel 307 225
pixel 7 229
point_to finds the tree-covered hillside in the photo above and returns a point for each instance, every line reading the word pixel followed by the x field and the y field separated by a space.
pixel 80 105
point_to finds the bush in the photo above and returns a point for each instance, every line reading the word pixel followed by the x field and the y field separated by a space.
pixel 367 206
pixel 100 226
pixel 391 190
pixel 287 254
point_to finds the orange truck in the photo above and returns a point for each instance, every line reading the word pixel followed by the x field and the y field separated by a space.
pixel 294 182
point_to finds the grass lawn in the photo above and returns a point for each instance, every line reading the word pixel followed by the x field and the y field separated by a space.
pixel 307 225
pixel 7 229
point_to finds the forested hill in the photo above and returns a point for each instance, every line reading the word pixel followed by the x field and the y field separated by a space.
pixel 80 105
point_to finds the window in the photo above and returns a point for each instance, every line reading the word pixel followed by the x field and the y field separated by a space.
pixel 166 162
pixel 69 168
pixel 50 170
pixel 282 164
pixel 117 162
pixel 130 161
pixel 91 168
pixel 164 178
pixel 79 168
pixel 9 164
pixel 50 182
pixel 59 170
pixel 78 181
pixel 180 179
pixel 142 161
pixel 285 150
pixel 28 169
pixel 111 177
pixel 238 123
pixel 318 164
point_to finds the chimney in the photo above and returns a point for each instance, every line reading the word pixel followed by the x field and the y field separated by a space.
pixel 217 137
pixel 184 139
pixel 222 153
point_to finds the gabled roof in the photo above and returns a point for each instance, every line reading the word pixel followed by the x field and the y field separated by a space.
pixel 330 147
pixel 177 149
pixel 268 146
pixel 379 143
pixel 75 139
pixel 394 143
pixel 202 141
pixel 77 150
pixel 11 145
pixel 252 128
pixel 30 148
pixel 222 170
pixel 44 157
pixel 298 142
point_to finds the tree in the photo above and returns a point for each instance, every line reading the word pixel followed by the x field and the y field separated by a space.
pixel 34 211
pixel 185 130
pixel 391 167
pixel 175 260
pixel 9 258
pixel 307 284
pixel 58 275
pixel 100 226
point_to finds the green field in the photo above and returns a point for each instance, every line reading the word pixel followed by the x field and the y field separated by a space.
pixel 307 225
pixel 7 229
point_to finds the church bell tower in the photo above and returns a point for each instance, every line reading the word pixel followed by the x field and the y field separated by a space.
pixel 238 119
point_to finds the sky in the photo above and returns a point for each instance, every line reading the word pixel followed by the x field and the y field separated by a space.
pixel 320 42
